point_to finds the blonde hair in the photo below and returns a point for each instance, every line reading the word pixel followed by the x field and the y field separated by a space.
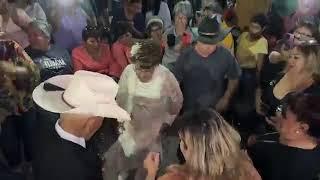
pixel 311 53
pixel 215 147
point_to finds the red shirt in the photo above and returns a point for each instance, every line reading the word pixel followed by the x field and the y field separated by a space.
pixel 105 64
pixel 121 55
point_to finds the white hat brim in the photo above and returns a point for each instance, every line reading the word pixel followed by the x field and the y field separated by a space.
pixel 52 101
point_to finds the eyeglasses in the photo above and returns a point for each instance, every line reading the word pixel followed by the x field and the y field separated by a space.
pixel 311 42
pixel 305 40
pixel 309 20
pixel 300 35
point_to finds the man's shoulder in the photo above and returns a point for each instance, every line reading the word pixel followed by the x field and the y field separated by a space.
pixel 57 51
pixel 224 52
pixel 187 52
pixel 59 162
pixel 34 53
pixel 54 149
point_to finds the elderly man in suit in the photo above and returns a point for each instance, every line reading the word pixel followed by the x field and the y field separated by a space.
pixel 63 152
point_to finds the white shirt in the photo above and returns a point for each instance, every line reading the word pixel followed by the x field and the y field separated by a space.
pixel 69 137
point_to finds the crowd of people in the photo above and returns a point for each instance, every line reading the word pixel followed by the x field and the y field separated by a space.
pixel 163 89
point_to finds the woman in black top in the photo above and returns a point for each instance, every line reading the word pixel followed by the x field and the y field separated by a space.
pixel 296 154
pixel 271 72
pixel 302 74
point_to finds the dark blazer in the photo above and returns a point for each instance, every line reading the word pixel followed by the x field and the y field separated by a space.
pixel 59 159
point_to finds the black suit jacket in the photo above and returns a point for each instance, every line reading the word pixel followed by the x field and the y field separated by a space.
pixel 59 159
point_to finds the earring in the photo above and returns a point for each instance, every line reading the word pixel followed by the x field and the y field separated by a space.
pixel 297 132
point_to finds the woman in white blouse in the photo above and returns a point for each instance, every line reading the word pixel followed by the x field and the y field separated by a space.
pixel 151 94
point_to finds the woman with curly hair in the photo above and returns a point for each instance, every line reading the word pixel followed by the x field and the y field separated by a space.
pixel 151 94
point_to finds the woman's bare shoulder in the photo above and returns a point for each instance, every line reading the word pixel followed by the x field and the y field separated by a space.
pixel 174 172
pixel 172 176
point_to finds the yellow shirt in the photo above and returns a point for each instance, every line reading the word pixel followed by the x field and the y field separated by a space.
pixel 248 51
pixel 228 41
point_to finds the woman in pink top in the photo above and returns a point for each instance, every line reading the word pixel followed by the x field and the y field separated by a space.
pixel 122 46
pixel 93 55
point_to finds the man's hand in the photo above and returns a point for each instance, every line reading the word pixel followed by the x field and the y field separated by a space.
pixel 223 104
pixel 259 102
pixel 251 140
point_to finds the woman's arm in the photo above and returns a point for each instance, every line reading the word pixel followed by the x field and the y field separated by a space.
pixel 77 64
pixel 20 18
pixel 168 176
pixel 174 94
pixel 119 56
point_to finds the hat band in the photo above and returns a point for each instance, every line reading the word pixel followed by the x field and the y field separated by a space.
pixel 64 100
pixel 208 34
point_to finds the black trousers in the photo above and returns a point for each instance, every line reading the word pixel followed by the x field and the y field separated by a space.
pixel 16 137
pixel 243 103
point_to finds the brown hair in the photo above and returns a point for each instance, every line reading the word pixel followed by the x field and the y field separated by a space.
pixel 146 53
pixel 307 109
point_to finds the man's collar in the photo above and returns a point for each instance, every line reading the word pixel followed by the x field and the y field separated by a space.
pixel 69 137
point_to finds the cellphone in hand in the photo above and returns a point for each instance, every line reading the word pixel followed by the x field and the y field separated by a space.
pixel 171 40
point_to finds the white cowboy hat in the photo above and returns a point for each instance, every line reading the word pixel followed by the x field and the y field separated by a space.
pixel 82 93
